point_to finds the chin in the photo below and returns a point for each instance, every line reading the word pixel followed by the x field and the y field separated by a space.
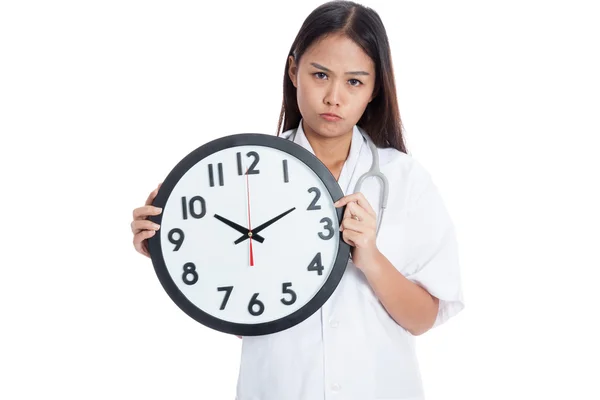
pixel 330 129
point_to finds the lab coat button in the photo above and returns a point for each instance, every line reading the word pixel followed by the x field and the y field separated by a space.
pixel 334 323
pixel 335 387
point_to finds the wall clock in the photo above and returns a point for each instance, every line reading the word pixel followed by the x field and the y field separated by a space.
pixel 249 242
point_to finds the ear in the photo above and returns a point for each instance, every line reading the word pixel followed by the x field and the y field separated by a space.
pixel 293 71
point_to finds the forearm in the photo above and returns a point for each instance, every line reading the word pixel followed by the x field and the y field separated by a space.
pixel 411 306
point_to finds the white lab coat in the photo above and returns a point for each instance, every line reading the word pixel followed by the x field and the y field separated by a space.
pixel 351 348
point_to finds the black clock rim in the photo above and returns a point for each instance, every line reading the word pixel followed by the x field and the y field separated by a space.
pixel 155 248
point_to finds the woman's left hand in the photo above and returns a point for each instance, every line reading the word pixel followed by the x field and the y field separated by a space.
pixel 359 226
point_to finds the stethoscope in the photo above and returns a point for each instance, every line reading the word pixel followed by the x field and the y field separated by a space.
pixel 372 172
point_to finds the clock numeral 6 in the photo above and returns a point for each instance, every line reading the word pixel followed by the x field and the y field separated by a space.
pixel 286 289
pixel 177 241
pixel 329 227
pixel 316 264
pixel 189 276
pixel 255 302
pixel 191 207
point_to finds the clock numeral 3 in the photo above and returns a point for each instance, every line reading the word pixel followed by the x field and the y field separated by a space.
pixel 313 205
pixel 316 264
pixel 286 290
pixel 329 227
pixel 211 176
pixel 191 207
pixel 251 170
pixel 227 289
pixel 176 241
pixel 255 302
pixel 189 270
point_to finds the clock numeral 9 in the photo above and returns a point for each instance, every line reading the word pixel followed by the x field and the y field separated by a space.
pixel 313 205
pixel 189 270
pixel 255 302
pixel 191 207
pixel 329 227
pixel 176 241
pixel 316 265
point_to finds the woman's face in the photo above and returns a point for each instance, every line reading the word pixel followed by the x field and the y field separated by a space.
pixel 334 76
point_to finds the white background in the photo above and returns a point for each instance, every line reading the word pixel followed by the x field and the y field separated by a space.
pixel 99 100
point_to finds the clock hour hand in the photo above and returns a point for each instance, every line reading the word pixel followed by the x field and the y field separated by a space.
pixel 240 229
pixel 265 225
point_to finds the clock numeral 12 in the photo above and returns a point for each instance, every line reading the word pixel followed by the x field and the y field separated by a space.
pixel 211 176
pixel 251 170
pixel 191 207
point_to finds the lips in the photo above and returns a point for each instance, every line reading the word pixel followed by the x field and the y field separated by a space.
pixel 330 117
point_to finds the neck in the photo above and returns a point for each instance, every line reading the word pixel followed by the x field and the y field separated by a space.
pixel 332 152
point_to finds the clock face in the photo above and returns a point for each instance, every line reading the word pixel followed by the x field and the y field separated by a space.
pixel 249 240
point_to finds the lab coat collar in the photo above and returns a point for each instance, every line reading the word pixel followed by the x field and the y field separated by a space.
pixel 348 170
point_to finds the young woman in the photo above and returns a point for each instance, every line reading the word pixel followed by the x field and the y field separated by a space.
pixel 403 275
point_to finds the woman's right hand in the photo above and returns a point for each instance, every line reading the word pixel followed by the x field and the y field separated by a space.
pixel 143 228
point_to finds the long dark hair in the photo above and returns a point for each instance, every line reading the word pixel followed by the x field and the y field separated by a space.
pixel 381 119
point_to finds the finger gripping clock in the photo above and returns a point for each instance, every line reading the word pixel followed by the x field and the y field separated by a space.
pixel 249 242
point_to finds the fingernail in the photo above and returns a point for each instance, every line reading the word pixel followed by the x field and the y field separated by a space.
pixel 158 209
pixel 156 226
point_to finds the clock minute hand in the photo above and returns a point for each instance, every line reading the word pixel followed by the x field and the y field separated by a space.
pixel 239 228
pixel 271 221
pixel 265 225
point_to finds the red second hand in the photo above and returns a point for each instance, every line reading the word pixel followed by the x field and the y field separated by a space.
pixel 249 223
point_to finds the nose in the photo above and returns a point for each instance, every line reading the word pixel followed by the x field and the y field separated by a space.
pixel 333 94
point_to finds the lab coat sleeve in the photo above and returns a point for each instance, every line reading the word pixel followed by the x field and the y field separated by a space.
pixel 433 246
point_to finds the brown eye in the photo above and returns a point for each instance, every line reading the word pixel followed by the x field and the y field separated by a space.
pixel 319 74
pixel 358 83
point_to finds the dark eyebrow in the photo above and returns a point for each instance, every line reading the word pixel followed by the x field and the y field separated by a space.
pixel 319 66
